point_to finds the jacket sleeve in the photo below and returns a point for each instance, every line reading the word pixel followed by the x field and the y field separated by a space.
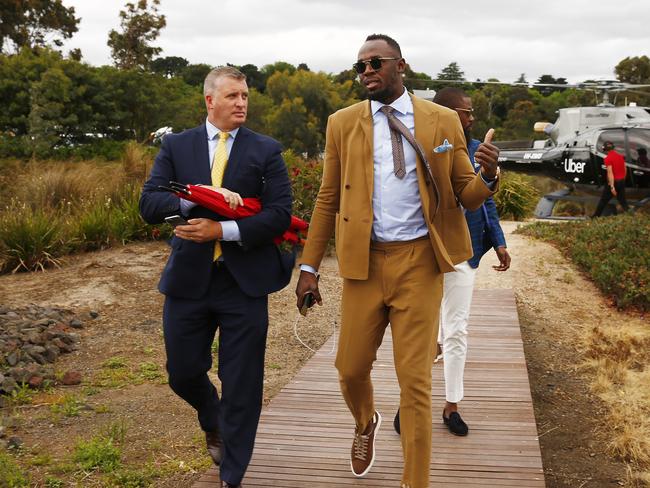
pixel 469 187
pixel 327 205
pixel 495 230
pixel 156 204
pixel 275 216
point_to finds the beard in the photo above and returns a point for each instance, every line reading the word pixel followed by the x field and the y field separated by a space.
pixel 468 134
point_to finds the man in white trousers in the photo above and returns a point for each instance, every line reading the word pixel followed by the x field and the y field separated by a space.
pixel 486 233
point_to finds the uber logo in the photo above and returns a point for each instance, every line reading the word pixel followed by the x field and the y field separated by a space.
pixel 570 166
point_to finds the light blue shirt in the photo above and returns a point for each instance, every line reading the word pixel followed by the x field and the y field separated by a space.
pixel 229 228
pixel 396 204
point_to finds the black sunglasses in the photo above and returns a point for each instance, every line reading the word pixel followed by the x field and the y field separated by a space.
pixel 375 64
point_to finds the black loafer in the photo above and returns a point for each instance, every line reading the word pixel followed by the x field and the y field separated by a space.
pixel 455 424
pixel 396 423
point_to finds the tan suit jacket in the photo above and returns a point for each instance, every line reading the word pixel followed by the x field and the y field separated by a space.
pixel 344 202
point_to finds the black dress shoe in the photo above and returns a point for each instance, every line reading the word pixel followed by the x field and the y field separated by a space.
pixel 455 424
pixel 396 423
pixel 225 484
pixel 215 446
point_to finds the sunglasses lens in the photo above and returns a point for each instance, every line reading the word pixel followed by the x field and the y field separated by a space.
pixel 359 67
pixel 375 63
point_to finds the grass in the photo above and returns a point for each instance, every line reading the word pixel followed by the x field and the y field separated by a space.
pixel 517 197
pixel 67 405
pixel 11 476
pixel 57 208
pixel 613 251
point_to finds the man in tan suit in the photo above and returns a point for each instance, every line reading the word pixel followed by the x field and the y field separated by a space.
pixel 393 201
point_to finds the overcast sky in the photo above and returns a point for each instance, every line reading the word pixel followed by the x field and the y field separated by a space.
pixel 575 39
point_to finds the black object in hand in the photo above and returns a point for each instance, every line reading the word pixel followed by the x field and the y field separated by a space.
pixel 307 302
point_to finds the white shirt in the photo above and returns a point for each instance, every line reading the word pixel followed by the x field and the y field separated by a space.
pixel 229 228
pixel 396 204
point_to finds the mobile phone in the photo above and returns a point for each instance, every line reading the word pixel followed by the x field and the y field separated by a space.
pixel 307 302
pixel 175 220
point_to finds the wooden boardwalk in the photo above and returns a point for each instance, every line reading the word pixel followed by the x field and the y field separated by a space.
pixel 305 433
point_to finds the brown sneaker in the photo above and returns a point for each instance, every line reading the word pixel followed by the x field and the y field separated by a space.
pixel 362 455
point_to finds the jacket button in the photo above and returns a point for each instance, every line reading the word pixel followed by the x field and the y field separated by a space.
pixel 347 187
pixel 345 219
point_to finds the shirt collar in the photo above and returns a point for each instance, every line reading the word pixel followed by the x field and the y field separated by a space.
pixel 213 131
pixel 403 104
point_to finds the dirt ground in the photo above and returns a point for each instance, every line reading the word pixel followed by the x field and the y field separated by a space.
pixel 556 306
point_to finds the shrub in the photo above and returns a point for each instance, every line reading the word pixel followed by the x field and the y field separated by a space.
pixel 517 197
pixel 29 239
pixel 613 251
pixel 305 176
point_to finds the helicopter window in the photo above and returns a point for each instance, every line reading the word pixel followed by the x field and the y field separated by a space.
pixel 616 137
pixel 638 139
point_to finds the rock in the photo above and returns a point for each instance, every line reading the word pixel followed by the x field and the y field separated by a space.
pixel 71 378
pixel 36 381
pixel 8 385
pixel 14 442
pixel 76 324
pixel 93 314
pixel 12 358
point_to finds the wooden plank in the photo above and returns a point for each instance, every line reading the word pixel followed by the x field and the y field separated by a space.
pixel 305 433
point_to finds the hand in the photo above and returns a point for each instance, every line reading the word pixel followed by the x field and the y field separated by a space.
pixel 233 199
pixel 504 259
pixel 199 230
pixel 612 188
pixel 487 155
pixel 307 283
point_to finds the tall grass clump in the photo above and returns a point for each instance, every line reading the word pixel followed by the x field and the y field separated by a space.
pixel 517 196
pixel 30 239
pixel 613 251
pixel 56 208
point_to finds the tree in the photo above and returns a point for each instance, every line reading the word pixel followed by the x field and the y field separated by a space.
pixel 451 72
pixel 169 66
pixel 634 70
pixel 194 74
pixel 28 23
pixel 140 24
pixel 522 78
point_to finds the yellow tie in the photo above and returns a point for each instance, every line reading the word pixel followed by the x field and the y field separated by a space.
pixel 218 168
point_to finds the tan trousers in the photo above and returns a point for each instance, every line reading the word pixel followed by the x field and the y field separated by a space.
pixel 404 288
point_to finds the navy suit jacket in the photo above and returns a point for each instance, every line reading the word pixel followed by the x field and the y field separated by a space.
pixel 483 223
pixel 255 169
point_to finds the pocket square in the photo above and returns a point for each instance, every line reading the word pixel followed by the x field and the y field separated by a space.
pixel 444 147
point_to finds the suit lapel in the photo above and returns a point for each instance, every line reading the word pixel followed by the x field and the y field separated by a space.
pixel 366 123
pixel 202 155
pixel 426 127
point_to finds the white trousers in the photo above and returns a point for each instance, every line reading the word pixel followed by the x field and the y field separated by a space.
pixel 454 313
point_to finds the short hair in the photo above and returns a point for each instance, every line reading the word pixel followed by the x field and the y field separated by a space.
pixel 642 150
pixel 449 97
pixel 387 39
pixel 220 72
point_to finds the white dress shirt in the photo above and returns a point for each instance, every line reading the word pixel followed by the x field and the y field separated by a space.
pixel 229 228
pixel 396 204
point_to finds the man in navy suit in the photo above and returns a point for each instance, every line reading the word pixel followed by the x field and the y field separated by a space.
pixel 220 272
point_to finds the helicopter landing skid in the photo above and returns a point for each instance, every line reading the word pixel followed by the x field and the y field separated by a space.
pixel 546 204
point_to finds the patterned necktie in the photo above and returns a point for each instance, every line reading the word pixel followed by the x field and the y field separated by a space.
pixel 219 163
pixel 398 129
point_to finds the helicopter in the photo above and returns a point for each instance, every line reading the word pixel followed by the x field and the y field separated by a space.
pixel 573 151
